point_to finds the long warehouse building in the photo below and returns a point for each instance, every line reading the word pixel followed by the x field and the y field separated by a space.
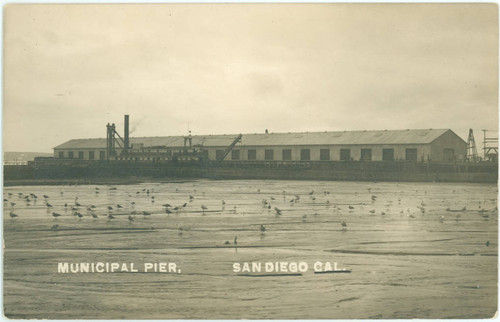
pixel 435 145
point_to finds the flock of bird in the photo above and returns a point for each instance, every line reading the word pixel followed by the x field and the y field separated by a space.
pixel 272 204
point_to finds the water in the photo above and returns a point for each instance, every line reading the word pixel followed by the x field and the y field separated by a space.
pixel 413 251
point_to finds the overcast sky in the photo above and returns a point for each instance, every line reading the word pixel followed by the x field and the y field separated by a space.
pixel 244 68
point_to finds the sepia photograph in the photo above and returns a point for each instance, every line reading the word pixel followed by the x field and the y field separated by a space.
pixel 275 161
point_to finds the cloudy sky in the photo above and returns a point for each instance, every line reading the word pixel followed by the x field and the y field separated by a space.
pixel 244 68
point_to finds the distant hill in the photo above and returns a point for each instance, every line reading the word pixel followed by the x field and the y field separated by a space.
pixel 22 157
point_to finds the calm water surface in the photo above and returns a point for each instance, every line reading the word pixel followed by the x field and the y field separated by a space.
pixel 415 250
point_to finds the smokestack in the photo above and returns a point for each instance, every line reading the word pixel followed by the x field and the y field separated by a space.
pixel 126 138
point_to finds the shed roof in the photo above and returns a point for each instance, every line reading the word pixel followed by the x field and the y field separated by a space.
pixel 273 139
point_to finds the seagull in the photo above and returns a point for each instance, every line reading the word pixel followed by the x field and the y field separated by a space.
pixel 119 206
pixel 55 214
pixel 203 207
pixel 235 242
pixel 167 205
pixel 45 196
pixel 130 218
pixel 54 227
pixel 48 205
pixel 12 215
pixel 343 223
pixel 110 208
pixel 94 215
pixel 145 213
pixel 262 228
pixel 278 211
pixel 168 211
pixel 110 216
pixel 351 207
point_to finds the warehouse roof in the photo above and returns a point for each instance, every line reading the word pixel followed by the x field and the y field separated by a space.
pixel 272 139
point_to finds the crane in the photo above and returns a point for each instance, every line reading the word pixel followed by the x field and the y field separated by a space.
pixel 471 148
pixel 229 148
